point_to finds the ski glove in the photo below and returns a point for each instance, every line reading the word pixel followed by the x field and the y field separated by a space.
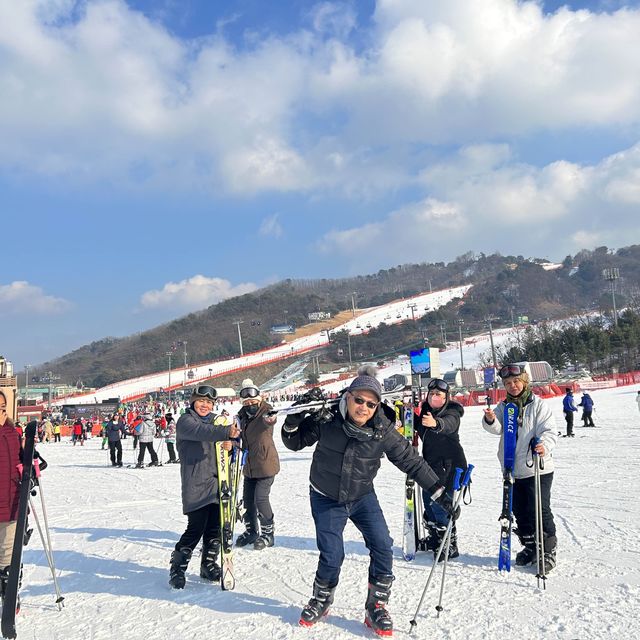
pixel 293 420
pixel 444 500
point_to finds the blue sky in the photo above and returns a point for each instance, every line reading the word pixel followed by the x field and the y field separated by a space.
pixel 158 157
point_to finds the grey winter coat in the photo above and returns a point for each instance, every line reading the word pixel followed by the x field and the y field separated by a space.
pixel 536 422
pixel 195 441
pixel 147 430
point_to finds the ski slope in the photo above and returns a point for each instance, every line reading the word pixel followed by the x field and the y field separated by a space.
pixel 397 311
pixel 113 531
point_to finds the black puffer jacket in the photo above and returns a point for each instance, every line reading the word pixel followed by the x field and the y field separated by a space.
pixel 343 468
pixel 441 446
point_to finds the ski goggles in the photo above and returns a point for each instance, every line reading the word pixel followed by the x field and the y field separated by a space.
pixel 510 370
pixel 368 403
pixel 205 391
pixel 438 384
pixel 249 392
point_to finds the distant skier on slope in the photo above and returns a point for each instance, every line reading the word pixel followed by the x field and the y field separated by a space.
pixel 345 462
pixel 535 420
pixel 586 402
pixel 569 408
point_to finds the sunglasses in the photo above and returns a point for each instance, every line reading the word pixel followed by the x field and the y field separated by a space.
pixel 205 391
pixel 438 384
pixel 510 370
pixel 368 403
pixel 249 392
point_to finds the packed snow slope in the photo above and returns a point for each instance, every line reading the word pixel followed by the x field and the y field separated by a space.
pixel 113 531
pixel 393 312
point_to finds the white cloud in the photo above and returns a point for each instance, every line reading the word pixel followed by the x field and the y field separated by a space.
pixel 487 203
pixel 20 297
pixel 194 293
pixel 271 226
pixel 102 94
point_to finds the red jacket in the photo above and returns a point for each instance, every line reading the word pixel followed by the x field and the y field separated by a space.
pixel 9 477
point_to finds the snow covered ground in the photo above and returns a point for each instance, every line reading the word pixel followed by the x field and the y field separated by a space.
pixel 113 531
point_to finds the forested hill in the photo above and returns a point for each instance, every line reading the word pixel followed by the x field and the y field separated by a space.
pixel 505 287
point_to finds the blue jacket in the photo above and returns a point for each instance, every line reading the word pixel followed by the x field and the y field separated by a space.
pixel 586 402
pixel 568 405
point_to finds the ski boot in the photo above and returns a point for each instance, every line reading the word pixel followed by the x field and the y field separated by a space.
pixel 376 616
pixel 527 555
pixel 549 558
pixel 140 465
pixel 318 606
pixel 178 568
pixel 265 539
pixel 250 535
pixel 209 568
pixel 432 540
pixel 439 534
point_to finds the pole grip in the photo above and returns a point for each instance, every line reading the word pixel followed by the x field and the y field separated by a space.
pixel 456 479
pixel 467 476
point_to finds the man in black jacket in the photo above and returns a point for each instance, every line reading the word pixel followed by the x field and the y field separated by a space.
pixel 349 446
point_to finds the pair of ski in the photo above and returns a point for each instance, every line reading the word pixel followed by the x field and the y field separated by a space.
pixel 510 433
pixel 411 538
pixel 229 473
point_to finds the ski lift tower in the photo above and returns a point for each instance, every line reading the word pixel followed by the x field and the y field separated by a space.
pixel 611 275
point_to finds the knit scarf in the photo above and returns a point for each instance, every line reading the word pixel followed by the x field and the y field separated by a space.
pixel 520 400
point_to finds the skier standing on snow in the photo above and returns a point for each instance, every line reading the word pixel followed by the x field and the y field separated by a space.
pixel 260 468
pixel 147 431
pixel 170 438
pixel 196 436
pixel 438 425
pixel 586 402
pixel 349 446
pixel 535 420
pixel 569 408
pixel 114 431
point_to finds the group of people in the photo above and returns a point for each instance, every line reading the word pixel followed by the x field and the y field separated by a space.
pixel 569 408
pixel 350 440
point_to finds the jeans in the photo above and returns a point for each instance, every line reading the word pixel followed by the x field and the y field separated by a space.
pixel 433 512
pixel 331 518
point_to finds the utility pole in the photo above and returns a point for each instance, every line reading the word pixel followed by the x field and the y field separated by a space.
pixel 26 384
pixel 611 275
pixel 238 323
pixel 349 344
pixel 50 378
pixel 169 353
pixel 443 333
pixel 493 351
pixel 354 295
pixel 460 323
pixel 184 353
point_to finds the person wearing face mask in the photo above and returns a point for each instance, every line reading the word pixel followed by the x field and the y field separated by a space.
pixel 196 438
pixel 260 468
pixel 350 440
pixel 437 425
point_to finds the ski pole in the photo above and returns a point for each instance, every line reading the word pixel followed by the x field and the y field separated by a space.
pixel 456 503
pixel 538 464
pixel 47 547
pixel 459 488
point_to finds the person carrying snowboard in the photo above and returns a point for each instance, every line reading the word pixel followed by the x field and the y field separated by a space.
pixel 350 442
pixel 535 421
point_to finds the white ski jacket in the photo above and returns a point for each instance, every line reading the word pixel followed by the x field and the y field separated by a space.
pixel 537 421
